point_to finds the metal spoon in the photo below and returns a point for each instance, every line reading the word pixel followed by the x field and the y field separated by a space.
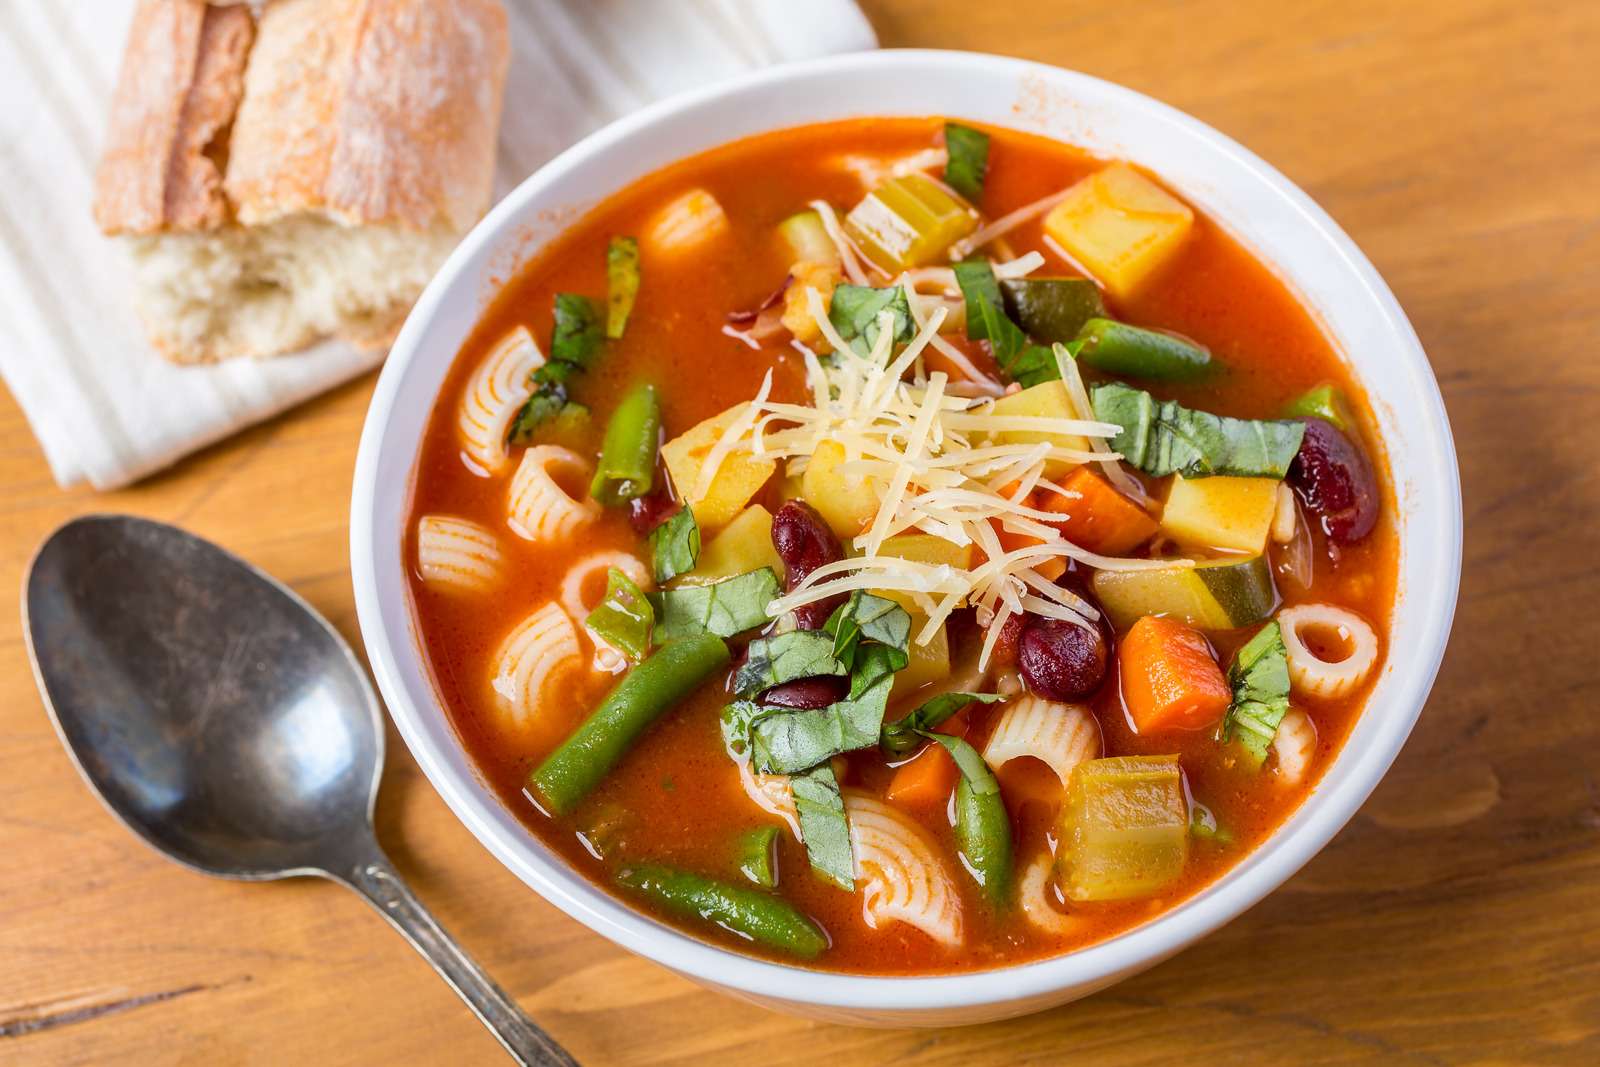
pixel 228 725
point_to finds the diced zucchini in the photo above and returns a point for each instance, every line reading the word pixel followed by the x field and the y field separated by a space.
pixel 1045 400
pixel 808 239
pixel 926 548
pixel 1121 226
pixel 1052 310
pixel 1223 513
pixel 1326 401
pixel 908 222
pixel 1124 828
pixel 847 504
pixel 744 545
pixel 739 477
pixel 1214 595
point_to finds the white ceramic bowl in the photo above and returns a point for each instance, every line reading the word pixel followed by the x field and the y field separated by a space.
pixel 1253 201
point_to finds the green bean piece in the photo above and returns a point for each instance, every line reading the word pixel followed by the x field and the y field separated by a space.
pixel 628 458
pixel 622 283
pixel 648 691
pixel 1117 348
pixel 1326 401
pixel 1052 310
pixel 765 918
pixel 756 851
pixel 983 826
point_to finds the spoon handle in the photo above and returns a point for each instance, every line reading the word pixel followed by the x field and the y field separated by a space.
pixel 375 878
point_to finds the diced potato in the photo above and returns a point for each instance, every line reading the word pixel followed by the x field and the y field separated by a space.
pixel 1228 514
pixel 744 545
pixel 1045 400
pixel 688 223
pixel 908 222
pixel 739 477
pixel 1216 595
pixel 846 503
pixel 929 662
pixel 797 318
pixel 926 548
pixel 1124 828
pixel 1121 226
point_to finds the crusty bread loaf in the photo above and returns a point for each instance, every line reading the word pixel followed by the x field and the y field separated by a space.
pixel 301 177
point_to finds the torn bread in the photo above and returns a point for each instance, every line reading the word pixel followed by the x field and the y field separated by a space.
pixel 299 176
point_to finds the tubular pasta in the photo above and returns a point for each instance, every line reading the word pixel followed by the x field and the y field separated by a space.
pixel 495 393
pixel 1294 746
pixel 1062 735
pixel 1309 672
pixel 458 554
pixel 531 657
pixel 540 509
pixel 900 874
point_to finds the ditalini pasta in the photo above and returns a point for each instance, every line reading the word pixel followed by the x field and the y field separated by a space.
pixel 1314 675
pixel 1062 735
pixel 458 554
pixel 541 509
pixel 842 467
pixel 903 878
pixel 531 659
pixel 1295 746
pixel 494 394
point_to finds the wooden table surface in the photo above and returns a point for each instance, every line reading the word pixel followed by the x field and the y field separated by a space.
pixel 1456 919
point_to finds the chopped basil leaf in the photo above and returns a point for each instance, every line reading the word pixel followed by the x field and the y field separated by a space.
pixel 824 826
pixel 755 850
pixel 854 310
pixel 872 618
pixel 1022 361
pixel 973 768
pixel 968 151
pixel 900 737
pixel 736 720
pixel 784 741
pixel 1260 679
pixel 675 545
pixel 577 335
pixel 978 285
pixel 724 608
pixel 622 283
pixel 785 657
pixel 573 347
pixel 1163 437
pixel 623 618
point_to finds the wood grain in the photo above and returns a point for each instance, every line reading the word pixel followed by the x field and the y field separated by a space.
pixel 1456 920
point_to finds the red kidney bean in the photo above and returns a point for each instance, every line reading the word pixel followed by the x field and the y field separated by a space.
pixel 1335 482
pixel 807 693
pixel 647 512
pixel 804 542
pixel 1062 660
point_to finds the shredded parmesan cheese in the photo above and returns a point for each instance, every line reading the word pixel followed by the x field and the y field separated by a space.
pixel 1005 224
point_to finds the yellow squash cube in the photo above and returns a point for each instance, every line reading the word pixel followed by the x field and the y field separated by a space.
pixel 739 477
pixel 845 502
pixel 1227 514
pixel 1121 226
pixel 1046 400
pixel 744 545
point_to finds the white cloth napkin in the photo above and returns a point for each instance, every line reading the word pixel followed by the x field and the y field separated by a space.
pixel 106 409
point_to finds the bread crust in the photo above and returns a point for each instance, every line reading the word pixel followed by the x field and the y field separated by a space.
pixel 181 81
pixel 371 112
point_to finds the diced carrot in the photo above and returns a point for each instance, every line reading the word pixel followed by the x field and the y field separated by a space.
pixel 1097 516
pixel 1170 680
pixel 1049 569
pixel 927 780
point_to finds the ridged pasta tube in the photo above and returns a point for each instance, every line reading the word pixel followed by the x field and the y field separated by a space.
pixel 1062 735
pixel 1033 896
pixel 542 648
pixel 458 554
pixel 899 871
pixel 540 509
pixel 1294 747
pixel 773 794
pixel 1311 674
pixel 494 394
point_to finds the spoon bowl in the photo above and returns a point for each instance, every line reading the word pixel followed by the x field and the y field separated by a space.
pixel 228 725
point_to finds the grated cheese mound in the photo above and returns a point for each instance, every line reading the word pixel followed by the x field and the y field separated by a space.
pixel 927 454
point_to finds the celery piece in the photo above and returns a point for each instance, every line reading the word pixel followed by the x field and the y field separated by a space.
pixel 908 222
pixel 1124 828
pixel 808 239
pixel 756 851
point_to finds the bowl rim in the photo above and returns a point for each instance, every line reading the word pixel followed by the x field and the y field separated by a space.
pixel 1268 866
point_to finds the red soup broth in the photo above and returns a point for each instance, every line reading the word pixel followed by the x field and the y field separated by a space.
pixel 677 792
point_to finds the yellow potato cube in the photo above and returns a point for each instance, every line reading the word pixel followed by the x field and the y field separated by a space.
pixel 926 548
pixel 929 662
pixel 744 545
pixel 1046 400
pixel 1121 226
pixel 845 502
pixel 739 477
pixel 1230 514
